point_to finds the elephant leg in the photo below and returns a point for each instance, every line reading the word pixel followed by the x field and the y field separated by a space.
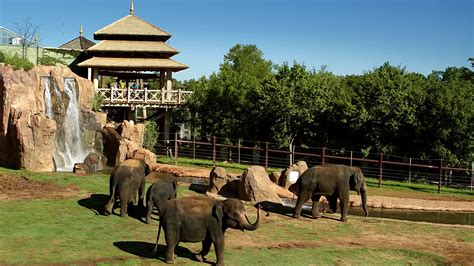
pixel 171 243
pixel 219 248
pixel 315 208
pixel 149 210
pixel 302 198
pixel 206 246
pixel 110 205
pixel 141 195
pixel 332 201
pixel 124 200
pixel 344 202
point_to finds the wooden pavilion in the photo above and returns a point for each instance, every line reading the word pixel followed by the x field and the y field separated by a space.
pixel 131 52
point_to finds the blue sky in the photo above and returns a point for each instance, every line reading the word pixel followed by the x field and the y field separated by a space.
pixel 347 36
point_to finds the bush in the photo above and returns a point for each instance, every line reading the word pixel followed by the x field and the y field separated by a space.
pixel 47 60
pixel 18 63
pixel 2 57
pixel 97 101
pixel 151 136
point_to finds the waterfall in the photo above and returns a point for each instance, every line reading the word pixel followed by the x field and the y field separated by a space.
pixel 47 98
pixel 64 109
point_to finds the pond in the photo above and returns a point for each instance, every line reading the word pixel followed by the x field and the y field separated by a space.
pixel 442 217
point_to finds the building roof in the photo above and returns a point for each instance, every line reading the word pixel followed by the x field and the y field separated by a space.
pixel 131 28
pixel 119 63
pixel 133 46
pixel 80 43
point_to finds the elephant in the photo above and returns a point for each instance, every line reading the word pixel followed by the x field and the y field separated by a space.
pixel 126 180
pixel 333 181
pixel 202 219
pixel 158 193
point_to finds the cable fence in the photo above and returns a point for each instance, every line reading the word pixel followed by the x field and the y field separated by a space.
pixel 380 166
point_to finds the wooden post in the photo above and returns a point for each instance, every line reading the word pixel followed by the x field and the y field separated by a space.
pixel 238 151
pixel 194 147
pixel 440 175
pixel 214 151
pixel 266 155
pixel 323 154
pixel 176 148
pixel 409 173
pixel 380 169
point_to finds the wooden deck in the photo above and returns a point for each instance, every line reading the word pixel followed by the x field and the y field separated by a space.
pixel 114 97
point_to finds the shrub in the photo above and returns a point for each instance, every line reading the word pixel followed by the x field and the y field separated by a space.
pixel 151 136
pixel 17 62
pixel 97 101
pixel 2 57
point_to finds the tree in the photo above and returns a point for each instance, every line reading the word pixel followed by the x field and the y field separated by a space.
pixel 27 32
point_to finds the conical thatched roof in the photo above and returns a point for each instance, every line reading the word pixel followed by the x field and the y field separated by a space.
pixel 129 28
pixel 133 63
pixel 133 46
pixel 79 44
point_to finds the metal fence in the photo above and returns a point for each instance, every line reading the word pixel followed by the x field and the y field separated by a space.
pixel 381 166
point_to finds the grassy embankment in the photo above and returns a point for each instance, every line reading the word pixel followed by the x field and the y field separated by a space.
pixel 70 231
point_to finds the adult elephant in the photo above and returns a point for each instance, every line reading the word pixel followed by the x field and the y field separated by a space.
pixel 333 181
pixel 158 193
pixel 126 180
pixel 201 219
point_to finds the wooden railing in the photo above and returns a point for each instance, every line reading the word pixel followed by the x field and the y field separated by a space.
pixel 142 97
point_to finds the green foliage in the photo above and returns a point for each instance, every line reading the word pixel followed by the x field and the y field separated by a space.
pixel 17 62
pixel 48 60
pixel 151 135
pixel 2 57
pixel 387 110
pixel 97 101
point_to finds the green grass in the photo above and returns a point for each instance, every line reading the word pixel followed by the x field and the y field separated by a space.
pixel 70 231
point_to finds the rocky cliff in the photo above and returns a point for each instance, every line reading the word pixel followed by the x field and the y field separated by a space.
pixel 28 136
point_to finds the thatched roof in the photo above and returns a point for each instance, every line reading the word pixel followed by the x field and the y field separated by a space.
pixel 131 27
pixel 79 44
pixel 133 63
pixel 133 46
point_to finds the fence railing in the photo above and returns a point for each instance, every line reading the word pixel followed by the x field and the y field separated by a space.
pixel 142 97
pixel 381 166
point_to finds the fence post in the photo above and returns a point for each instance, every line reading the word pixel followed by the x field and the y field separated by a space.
pixel 440 175
pixel 351 158
pixel 323 154
pixel 380 169
pixel 238 151
pixel 472 174
pixel 176 148
pixel 266 155
pixel 214 151
pixel 194 147
pixel 409 173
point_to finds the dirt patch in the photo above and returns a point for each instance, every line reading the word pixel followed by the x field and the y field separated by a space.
pixel 21 187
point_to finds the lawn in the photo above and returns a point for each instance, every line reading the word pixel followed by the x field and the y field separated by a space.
pixel 71 230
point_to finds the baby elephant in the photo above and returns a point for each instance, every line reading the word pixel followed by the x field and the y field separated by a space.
pixel 158 193
pixel 201 219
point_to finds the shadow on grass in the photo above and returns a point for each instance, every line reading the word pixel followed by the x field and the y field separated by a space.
pixel 201 189
pixel 96 203
pixel 145 250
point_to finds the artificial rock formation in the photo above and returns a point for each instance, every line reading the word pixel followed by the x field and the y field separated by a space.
pixel 27 137
pixel 284 180
pixel 255 186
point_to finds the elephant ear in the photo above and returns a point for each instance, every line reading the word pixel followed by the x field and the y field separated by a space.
pixel 218 211
pixel 359 180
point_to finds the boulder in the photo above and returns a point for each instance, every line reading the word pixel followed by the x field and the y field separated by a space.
pixel 81 169
pixel 95 161
pixel 274 177
pixel 142 154
pixel 284 180
pixel 222 183
pixel 255 186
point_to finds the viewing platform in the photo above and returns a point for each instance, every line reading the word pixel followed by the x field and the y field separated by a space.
pixel 143 97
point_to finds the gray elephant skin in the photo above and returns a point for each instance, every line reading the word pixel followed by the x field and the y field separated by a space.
pixel 158 194
pixel 202 219
pixel 127 179
pixel 333 181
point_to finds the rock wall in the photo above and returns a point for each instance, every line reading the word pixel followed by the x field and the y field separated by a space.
pixel 27 136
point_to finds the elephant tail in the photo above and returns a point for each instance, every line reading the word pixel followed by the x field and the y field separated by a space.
pixel 110 204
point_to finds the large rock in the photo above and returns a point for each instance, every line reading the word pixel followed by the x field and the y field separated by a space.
pixel 223 183
pixel 284 180
pixel 255 186
pixel 125 142
pixel 27 137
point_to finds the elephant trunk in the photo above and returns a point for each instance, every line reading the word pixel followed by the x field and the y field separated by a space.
pixel 246 223
pixel 363 196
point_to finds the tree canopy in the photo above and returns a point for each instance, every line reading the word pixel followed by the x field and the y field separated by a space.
pixel 385 110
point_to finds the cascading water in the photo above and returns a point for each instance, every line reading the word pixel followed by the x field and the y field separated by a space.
pixel 47 98
pixel 64 109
